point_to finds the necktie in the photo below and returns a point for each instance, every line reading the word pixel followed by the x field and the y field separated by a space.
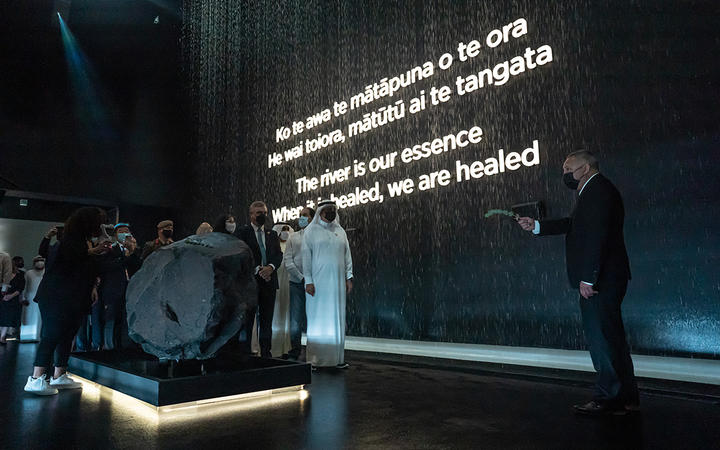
pixel 262 247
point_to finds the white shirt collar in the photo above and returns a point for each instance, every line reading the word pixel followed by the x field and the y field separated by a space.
pixel 256 228
pixel 586 183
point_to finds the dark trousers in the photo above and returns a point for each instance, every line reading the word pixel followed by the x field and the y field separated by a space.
pixel 264 310
pixel 114 330
pixel 60 324
pixel 609 350
pixel 298 318
pixel 90 333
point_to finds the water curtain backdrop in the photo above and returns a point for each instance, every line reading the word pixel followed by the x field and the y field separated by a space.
pixel 418 117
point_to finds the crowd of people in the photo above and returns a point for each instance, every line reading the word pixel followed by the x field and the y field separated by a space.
pixel 75 293
pixel 303 279
pixel 19 315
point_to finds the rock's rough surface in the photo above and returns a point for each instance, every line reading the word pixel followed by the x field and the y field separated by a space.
pixel 190 297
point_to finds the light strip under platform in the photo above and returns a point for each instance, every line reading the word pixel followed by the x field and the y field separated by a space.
pixel 195 409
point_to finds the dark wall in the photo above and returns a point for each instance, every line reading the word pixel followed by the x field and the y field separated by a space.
pixel 117 130
pixel 634 82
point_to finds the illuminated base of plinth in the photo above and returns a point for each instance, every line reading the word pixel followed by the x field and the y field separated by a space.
pixel 187 384
pixel 195 409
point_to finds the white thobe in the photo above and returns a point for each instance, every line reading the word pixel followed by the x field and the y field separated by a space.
pixel 31 321
pixel 281 315
pixel 327 264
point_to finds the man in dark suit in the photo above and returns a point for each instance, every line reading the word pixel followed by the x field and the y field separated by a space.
pixel 598 266
pixel 116 268
pixel 265 245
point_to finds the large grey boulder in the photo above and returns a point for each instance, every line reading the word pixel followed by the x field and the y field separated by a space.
pixel 190 297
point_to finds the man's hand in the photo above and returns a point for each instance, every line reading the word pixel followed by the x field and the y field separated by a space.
pixel 8 297
pixel 310 289
pixel 586 290
pixel 527 223
pixel 130 245
pixel 266 273
pixel 53 232
pixel 348 286
pixel 100 249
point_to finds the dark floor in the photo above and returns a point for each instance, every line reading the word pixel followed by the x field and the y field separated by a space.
pixel 377 403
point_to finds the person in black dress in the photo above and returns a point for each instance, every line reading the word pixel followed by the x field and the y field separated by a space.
pixel 10 307
pixel 64 296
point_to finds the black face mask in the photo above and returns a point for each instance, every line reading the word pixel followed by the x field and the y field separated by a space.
pixel 570 182
pixel 260 219
pixel 167 233
pixel 331 215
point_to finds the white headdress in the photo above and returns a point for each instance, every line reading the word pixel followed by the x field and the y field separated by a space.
pixel 280 225
pixel 323 205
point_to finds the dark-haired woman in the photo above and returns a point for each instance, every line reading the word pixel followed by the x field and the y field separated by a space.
pixel 64 296
pixel 225 224
pixel 10 307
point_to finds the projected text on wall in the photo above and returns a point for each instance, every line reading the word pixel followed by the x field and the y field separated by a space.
pixel 381 105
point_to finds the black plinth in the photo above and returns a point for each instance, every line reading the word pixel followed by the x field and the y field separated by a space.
pixel 165 383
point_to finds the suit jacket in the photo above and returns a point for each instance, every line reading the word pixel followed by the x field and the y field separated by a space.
pixel 594 241
pixel 113 281
pixel 47 251
pixel 272 252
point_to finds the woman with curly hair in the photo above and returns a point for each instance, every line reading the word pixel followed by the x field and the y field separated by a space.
pixel 64 296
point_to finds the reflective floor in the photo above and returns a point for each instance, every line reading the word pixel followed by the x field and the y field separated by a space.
pixel 377 403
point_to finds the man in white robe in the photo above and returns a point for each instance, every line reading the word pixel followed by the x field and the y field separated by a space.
pixel 292 260
pixel 31 321
pixel 327 266
pixel 281 316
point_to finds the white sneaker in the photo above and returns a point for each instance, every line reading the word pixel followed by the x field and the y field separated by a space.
pixel 65 382
pixel 39 386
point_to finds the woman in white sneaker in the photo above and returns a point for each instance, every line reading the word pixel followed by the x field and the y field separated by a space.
pixel 65 296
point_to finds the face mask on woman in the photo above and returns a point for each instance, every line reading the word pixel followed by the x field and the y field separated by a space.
pixel 40 265
pixel 230 227
pixel 284 235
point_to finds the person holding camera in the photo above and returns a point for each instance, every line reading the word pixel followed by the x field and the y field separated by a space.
pixel 47 250
pixel 116 267
pixel 65 295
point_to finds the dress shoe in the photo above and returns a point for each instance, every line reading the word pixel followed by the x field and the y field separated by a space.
pixel 633 407
pixel 593 408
